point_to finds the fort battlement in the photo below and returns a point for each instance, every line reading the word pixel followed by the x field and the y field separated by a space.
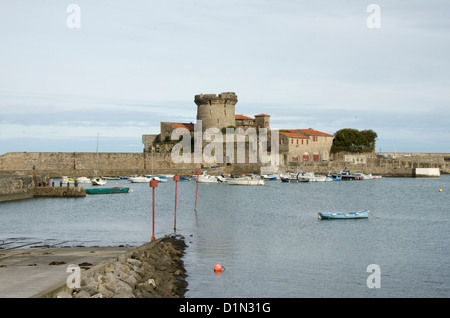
pixel 209 98
pixel 216 111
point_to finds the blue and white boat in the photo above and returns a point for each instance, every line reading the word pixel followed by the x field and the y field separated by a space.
pixel 344 215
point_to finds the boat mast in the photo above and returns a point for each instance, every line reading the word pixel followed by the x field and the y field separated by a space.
pixel 96 160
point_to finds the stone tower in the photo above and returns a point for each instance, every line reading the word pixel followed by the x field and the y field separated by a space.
pixel 262 121
pixel 216 110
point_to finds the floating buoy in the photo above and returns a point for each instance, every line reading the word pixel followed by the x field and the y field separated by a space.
pixel 440 190
pixel 218 268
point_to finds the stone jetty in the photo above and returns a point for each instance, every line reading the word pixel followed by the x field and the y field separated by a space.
pixel 154 270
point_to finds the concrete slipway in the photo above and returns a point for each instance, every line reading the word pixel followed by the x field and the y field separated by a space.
pixel 28 273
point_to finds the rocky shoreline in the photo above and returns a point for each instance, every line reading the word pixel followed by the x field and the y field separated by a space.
pixel 154 272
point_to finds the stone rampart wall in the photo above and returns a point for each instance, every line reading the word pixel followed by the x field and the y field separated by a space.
pixel 124 164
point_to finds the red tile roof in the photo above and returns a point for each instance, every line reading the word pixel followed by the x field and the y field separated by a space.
pixel 293 135
pixel 242 117
pixel 189 127
pixel 314 132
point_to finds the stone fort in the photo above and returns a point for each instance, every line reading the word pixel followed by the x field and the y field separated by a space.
pixel 219 111
pixel 307 149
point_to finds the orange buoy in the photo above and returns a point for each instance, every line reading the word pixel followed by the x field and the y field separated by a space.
pixel 218 268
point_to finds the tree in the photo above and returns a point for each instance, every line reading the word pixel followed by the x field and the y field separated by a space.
pixel 353 140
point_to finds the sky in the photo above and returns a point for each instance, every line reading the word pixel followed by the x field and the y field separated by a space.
pixel 128 65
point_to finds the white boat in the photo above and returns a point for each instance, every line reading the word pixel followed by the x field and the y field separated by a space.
pixel 138 179
pixel 221 179
pixel 271 177
pixel 160 180
pixel 250 181
pixel 66 180
pixel 321 178
pixel 206 178
pixel 98 181
pixel 83 180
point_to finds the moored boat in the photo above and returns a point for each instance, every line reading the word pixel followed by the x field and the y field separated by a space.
pixel 344 215
pixel 159 179
pixel 139 179
pixel 83 180
pixel 107 190
pixel 98 181
pixel 248 181
pixel 206 178
pixel 65 179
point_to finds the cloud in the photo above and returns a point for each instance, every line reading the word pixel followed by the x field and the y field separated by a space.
pixel 132 65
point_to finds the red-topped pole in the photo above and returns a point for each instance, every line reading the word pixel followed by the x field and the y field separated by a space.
pixel 196 192
pixel 153 185
pixel 176 178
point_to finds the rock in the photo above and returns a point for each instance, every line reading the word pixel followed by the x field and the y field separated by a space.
pixel 57 263
pixel 155 272
pixel 63 294
pixel 105 292
pixel 82 294
pixel 134 262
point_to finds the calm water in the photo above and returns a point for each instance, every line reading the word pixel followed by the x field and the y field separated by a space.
pixel 268 238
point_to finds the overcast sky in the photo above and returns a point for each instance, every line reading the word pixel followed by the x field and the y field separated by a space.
pixel 309 64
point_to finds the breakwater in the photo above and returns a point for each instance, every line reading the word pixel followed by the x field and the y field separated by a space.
pixel 59 192
pixel 153 270
pixel 16 187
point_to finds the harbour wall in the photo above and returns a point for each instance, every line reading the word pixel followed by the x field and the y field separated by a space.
pixel 16 187
pixel 59 164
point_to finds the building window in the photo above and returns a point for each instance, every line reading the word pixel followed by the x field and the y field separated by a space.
pixel 297 141
pixel 292 141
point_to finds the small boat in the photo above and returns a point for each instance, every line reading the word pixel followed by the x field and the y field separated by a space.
pixel 249 181
pixel 321 178
pixel 344 215
pixel 221 179
pixel 297 177
pixel 271 177
pixel 335 176
pixel 83 180
pixel 294 180
pixel 107 190
pixel 65 180
pixel 346 175
pixel 185 179
pixel 206 178
pixel 138 179
pixel 159 179
pixel 98 181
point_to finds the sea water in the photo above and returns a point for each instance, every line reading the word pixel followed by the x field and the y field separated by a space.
pixel 268 238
